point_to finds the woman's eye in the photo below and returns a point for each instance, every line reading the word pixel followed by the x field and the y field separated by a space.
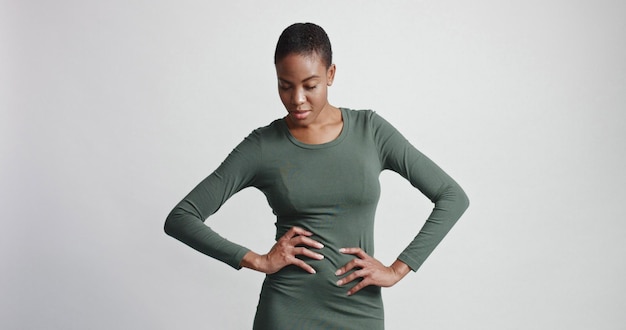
pixel 311 87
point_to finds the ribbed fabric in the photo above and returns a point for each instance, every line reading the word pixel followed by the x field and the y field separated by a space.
pixel 332 190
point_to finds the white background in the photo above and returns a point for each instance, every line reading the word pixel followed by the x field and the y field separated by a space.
pixel 111 111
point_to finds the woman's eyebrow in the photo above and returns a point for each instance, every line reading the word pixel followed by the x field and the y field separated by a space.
pixel 305 79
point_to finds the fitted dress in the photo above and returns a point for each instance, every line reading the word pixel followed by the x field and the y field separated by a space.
pixel 332 190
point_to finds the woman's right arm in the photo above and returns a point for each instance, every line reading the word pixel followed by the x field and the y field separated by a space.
pixel 186 221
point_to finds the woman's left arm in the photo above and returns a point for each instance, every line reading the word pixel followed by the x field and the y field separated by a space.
pixel 450 202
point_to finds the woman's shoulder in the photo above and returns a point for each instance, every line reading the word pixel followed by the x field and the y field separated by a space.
pixel 358 115
pixel 270 128
pixel 368 116
pixel 269 132
pixel 357 112
pixel 371 121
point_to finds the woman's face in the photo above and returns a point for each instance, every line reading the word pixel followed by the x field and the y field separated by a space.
pixel 303 82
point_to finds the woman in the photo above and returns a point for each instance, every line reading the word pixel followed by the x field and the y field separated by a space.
pixel 318 167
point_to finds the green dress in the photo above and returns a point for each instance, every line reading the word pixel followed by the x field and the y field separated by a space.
pixel 332 190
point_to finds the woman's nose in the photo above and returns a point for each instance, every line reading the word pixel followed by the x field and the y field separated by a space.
pixel 298 97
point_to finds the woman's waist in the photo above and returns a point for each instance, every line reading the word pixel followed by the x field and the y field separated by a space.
pixel 337 229
pixel 295 282
pixel 324 277
pixel 293 286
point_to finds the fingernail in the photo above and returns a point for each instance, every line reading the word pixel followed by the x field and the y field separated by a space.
pixel 339 282
pixel 321 256
pixel 342 250
pixel 338 272
pixel 321 246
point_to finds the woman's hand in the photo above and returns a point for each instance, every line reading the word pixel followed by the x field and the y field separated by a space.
pixel 372 271
pixel 283 253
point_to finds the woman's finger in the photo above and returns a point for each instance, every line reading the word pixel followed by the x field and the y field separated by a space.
pixel 303 240
pixel 303 265
pixel 295 231
pixel 353 276
pixel 358 287
pixel 307 253
pixel 354 263
pixel 355 251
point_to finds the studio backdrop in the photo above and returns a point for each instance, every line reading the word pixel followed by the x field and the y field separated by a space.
pixel 111 111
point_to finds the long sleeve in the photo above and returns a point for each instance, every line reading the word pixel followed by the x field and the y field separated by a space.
pixel 450 201
pixel 186 221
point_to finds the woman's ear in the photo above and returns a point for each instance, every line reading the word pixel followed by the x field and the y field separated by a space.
pixel 330 74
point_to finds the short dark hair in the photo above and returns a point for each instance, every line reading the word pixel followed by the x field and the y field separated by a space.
pixel 304 39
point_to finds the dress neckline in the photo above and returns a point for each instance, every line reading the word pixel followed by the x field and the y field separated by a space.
pixel 342 135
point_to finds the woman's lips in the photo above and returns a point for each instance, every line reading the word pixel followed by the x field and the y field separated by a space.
pixel 300 114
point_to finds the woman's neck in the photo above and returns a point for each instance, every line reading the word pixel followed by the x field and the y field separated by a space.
pixel 326 128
